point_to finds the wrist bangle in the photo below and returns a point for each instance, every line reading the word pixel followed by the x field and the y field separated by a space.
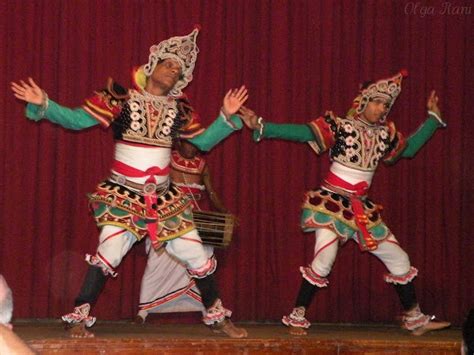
pixel 44 104
pixel 439 119
pixel 228 120
pixel 260 128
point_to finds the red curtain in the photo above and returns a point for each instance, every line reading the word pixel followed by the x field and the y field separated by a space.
pixel 298 58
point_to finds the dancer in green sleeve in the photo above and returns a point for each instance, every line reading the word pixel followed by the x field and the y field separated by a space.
pixel 138 200
pixel 340 210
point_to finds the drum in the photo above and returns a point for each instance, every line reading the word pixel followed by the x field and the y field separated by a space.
pixel 214 228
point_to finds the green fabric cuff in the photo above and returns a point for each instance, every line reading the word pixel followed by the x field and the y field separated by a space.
pixel 216 132
pixel 75 119
pixel 34 112
pixel 421 136
pixel 288 131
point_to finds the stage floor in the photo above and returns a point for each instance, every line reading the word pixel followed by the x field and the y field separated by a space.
pixel 49 337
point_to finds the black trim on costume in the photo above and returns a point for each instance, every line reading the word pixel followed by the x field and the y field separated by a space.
pixel 208 288
pixel 91 287
pixel 116 90
pixel 306 294
pixel 407 295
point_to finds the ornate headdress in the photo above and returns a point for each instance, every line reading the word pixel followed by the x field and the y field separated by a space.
pixel 387 89
pixel 183 49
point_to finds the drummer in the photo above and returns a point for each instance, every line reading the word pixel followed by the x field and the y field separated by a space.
pixel 190 172
pixel 166 286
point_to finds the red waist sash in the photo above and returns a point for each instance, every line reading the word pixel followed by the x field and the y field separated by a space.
pixel 355 192
pixel 149 195
pixel 130 171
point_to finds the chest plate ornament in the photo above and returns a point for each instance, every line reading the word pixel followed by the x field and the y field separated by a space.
pixel 149 119
pixel 360 145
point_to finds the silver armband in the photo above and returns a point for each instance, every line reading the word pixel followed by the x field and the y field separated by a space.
pixel 44 105
pixel 260 128
pixel 228 121
pixel 439 119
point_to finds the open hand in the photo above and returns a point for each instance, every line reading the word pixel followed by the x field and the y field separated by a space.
pixel 29 92
pixel 233 100
pixel 432 103
pixel 249 117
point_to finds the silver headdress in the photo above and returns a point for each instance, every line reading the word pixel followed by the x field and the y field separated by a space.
pixel 387 89
pixel 183 49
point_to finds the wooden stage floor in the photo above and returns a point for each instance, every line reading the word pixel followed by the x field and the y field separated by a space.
pixel 49 337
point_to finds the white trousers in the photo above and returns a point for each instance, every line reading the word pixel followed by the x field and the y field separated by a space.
pixel 115 242
pixel 327 244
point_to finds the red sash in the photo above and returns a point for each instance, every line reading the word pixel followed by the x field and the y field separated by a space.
pixel 366 241
pixel 150 196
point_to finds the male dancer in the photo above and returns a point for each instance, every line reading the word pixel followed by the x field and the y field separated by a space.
pixel 340 209
pixel 138 199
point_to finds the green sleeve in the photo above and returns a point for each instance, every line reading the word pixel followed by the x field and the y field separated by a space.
pixel 421 136
pixel 75 119
pixel 288 131
pixel 216 132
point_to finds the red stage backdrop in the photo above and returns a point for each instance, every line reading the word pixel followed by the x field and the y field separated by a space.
pixel 298 58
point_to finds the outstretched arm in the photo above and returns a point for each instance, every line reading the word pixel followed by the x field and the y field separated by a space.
pixel 226 123
pixel 262 129
pixel 427 129
pixel 40 106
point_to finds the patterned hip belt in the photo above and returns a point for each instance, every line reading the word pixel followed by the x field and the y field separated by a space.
pixel 340 191
pixel 355 193
pixel 147 188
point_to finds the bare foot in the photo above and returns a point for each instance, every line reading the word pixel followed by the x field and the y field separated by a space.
pixel 227 327
pixel 431 325
pixel 297 331
pixel 78 331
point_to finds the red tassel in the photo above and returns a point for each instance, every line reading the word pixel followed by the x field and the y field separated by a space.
pixel 404 72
